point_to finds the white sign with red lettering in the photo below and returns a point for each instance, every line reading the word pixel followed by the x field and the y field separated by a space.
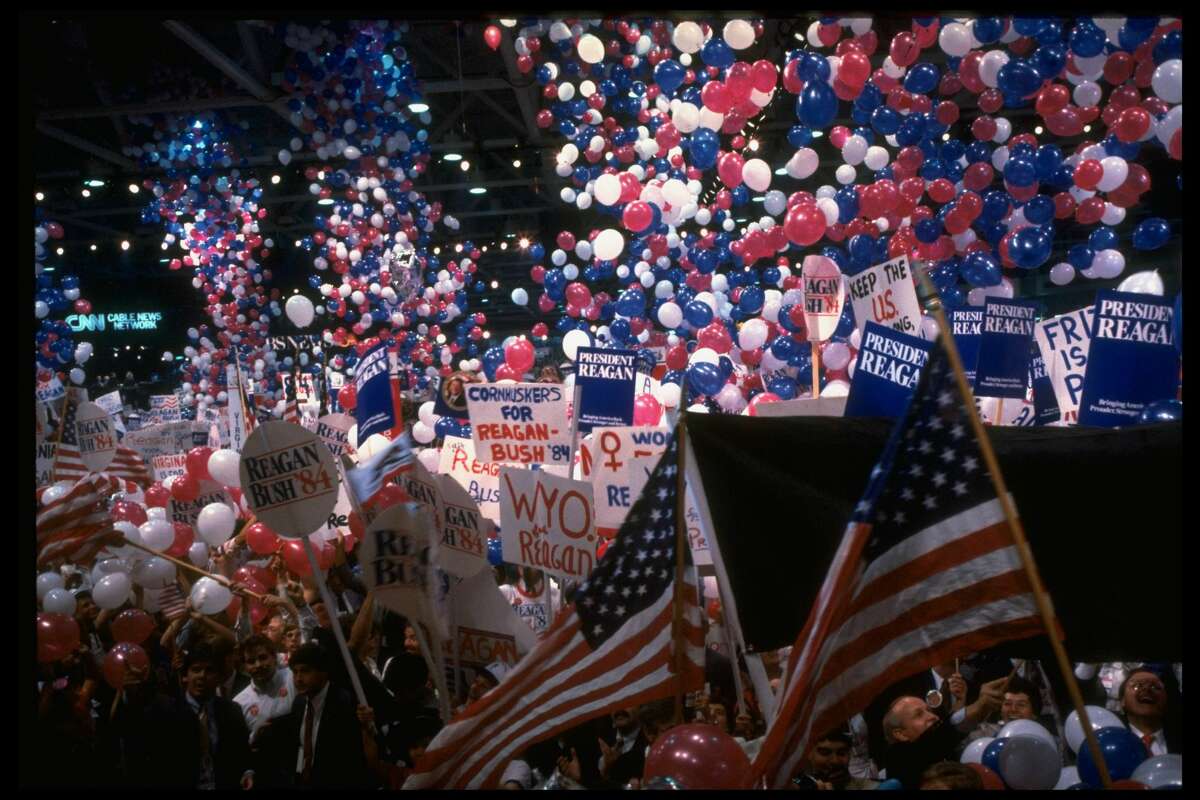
pixel 481 479
pixel 547 522
pixel 606 460
pixel 885 294
pixel 96 436
pixel 824 295
pixel 520 423
pixel 465 531
pixel 166 466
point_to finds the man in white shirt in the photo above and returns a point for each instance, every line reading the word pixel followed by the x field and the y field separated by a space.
pixel 271 690
pixel 531 600
pixel 1144 703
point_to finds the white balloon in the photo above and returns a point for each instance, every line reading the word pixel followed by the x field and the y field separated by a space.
pixel 1143 283
pixel 929 328
pixel 730 399
pixel 704 355
pixel 1068 778
pixel 687 37
pixel 836 389
pixel 836 356
pixel 210 597
pixel 59 601
pixel 1113 214
pixel 299 310
pixel 753 334
pixel 845 174
pixel 519 296
pixel 686 117
pixel 1116 170
pixel 47 581
pixel 1087 93
pixel 973 753
pixel 1098 717
pixel 955 39
pixel 757 174
pixel 1062 273
pixel 775 202
pixel 157 534
pixel 40 309
pixel 112 590
pixel 607 189
pixel 876 157
pixel 609 244
pixel 198 554
pixel 426 414
pixel 854 150
pixel 1026 727
pixel 430 457
pixel 989 66
pixel 574 340
pixel 225 468
pixel 803 163
pixel 668 394
pixel 670 315
pixel 1167 80
pixel 590 49
pixel 1108 263
pixel 423 433
pixel 215 523
pixel 739 34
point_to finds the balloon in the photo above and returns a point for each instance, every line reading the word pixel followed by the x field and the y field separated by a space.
pixel 299 310
pixel 574 340
pixel 646 410
pixel 1151 234
pixel 1062 273
pixel 1160 772
pixel 519 355
pixel 1027 727
pixel 198 554
pixel 59 601
pixel 1030 761
pixel 185 488
pixel 132 625
pixel 704 378
pixel 670 315
pixel 295 559
pixel 520 297
pixel 989 777
pixel 151 573
pixel 197 463
pixel 157 496
pixel 121 659
pixel 157 534
pixel 57 636
pixel 757 174
pixel 224 467
pixel 609 244
pixel 1167 80
pixel 215 523
pixel 1170 410
pixel 348 397
pixel 590 49
pixel 112 590
pixel 699 757
pixel 1143 283
pixel 47 581
pixel 1122 750
pixel 261 539
pixel 1067 778
pixel 210 597
pixel 491 36
pixel 973 753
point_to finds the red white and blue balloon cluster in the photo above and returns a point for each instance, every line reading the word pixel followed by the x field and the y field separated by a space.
pixel 56 354
pixel 650 109
pixel 350 93
pixel 211 211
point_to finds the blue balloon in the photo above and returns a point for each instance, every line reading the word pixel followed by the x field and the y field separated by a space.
pixel 817 105
pixel 783 386
pixel 1081 256
pixel 921 78
pixel 784 347
pixel 446 426
pixel 717 54
pixel 751 301
pixel 890 785
pixel 1170 410
pixel 1018 78
pixel 1030 247
pixel 991 755
pixel 1151 234
pixel 704 378
pixel 1102 238
pixel 703 147
pixel 697 313
pixel 1122 750
pixel 1020 171
pixel 669 75
pixel 1087 39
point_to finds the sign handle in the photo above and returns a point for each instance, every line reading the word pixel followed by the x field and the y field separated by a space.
pixel 816 368
pixel 331 608
pixel 221 579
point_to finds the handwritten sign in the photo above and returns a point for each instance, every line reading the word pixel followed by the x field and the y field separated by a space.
pixel 399 555
pixel 465 531
pixel 1064 342
pixel 520 423
pixel 607 460
pixel 45 463
pixel 97 436
pixel 289 478
pixel 50 388
pixel 824 294
pixel 547 522
pixel 1132 362
pixel 885 294
pixel 1003 367
pixel 605 381
pixel 166 466
pixel 481 479
pixel 334 431
pixel 886 372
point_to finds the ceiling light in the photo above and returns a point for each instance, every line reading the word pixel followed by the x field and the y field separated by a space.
pixel 59 251
pixel 297 243
pixel 134 188
pixel 47 269
pixel 465 165
pixel 478 190
pixel 458 248
pixel 1087 128
pixel 487 334
pixel 95 183
pixel 517 163
pixel 484 248
pixel 39 197
pixel 86 193
pixel 325 201
pixel 818 134
pixel 781 171
pixel 125 245
pixel 437 250
pixel 754 145
pixel 945 137
pixel 418 108
pixel 275 179
pixel 503 246
pixel 495 284
pixel 93 248
pixel 757 199
pixel 1038 130
pixel 452 157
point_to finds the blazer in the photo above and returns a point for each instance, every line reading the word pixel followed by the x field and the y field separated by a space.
pixel 338 758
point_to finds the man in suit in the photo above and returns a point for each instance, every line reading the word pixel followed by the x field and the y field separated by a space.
pixel 319 744
pixel 194 741
pixel 625 758
pixel 1144 705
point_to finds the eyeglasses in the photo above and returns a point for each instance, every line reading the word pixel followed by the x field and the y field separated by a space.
pixel 1139 686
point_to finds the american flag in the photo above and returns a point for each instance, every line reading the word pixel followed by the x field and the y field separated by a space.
pixel 612 648
pixel 927 570
pixel 69 528
pixel 172 603
pixel 291 410
pixel 69 466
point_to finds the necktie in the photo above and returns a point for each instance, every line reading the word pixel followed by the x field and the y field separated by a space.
pixel 1148 740
pixel 306 774
pixel 205 738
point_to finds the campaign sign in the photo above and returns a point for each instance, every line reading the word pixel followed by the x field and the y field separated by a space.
pixel 1003 367
pixel 607 458
pixel 450 399
pixel 885 294
pixel 378 411
pixel 45 463
pixel 1133 361
pixel 187 511
pixel 1006 413
pixel 520 423
pixel 481 479
pixel 605 381
pixel 886 373
pixel 486 628
pixel 49 389
pixel 289 478
pixel 1064 342
pixel 1045 405
pixel 824 294
pixel 166 466
pixel 334 431
pixel 966 326
pixel 111 403
pixel 465 531
pixel 97 436
pixel 547 522
pixel 399 556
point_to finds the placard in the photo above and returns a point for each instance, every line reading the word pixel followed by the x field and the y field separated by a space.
pixel 167 439
pixel 1003 368
pixel 966 326
pixel 605 381
pixel 166 466
pixel 165 407
pixel 1064 342
pixel 378 409
pixel 487 629
pixel 1133 361
pixel 480 479
pixel 886 373
pixel 96 436
pixel 1045 404
pixel 804 407
pixel 334 431
pixel 520 423
pixel 49 388
pixel 187 511
pixel 824 294
pixel 45 463
pixel 424 489
pixel 111 403
pixel 886 295
pixel 547 522
pixel 399 556
pixel 465 531
pixel 450 398
pixel 289 478
pixel 606 459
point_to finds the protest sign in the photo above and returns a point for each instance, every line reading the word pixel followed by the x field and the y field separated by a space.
pixel 886 295
pixel 424 489
pixel 520 423
pixel 824 294
pixel 1003 366
pixel 241 416
pixel 604 380
pixel 450 397
pixel 334 431
pixel 966 326
pixel 465 531
pixel 111 403
pixel 1045 405
pixel 167 438
pixel 96 436
pixel 166 466
pixel 378 409
pixel 186 511
pixel 1132 362
pixel 49 388
pixel 547 522
pixel 166 407
pixel 399 556
pixel 485 626
pixel 1064 342
pixel 481 479
pixel 45 463
pixel 289 478
pixel 607 461
pixel 886 372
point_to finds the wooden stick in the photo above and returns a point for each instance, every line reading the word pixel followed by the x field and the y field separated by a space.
pixel 331 609
pixel 221 579
pixel 681 541
pixel 1041 597
pixel 999 412
pixel 816 368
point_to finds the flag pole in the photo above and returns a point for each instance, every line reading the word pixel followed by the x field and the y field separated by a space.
pixel 191 568
pixel 1041 597
pixel 680 543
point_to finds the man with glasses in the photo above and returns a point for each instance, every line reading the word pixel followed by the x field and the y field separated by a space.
pixel 1144 706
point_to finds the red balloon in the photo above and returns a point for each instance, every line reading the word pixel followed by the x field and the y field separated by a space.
pixel 156 497
pixel 699 757
pixel 715 97
pixel 990 779
pixel 123 657
pixel 1132 124
pixel 714 335
pixel 295 559
pixel 637 216
pixel 506 373
pixel 57 636
pixel 677 357
pixel 765 75
pixel 762 399
pixel 566 241
pixel 646 410
pixel 197 463
pixel 1052 98
pixel 129 511
pixel 132 625
pixel 1088 173
pixel 804 224
pixel 185 488
pixel 739 81
pixel 714 609
pixel 261 539
pixel 347 397
pixel 904 49
pixel 491 35
pixel 1090 211
pixel 184 536
pixel 855 69
pixel 519 355
pixel 729 168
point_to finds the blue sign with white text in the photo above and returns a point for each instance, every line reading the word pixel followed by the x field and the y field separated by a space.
pixel 1132 362
pixel 1003 368
pixel 605 381
pixel 966 325
pixel 377 410
pixel 886 373
pixel 1045 403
